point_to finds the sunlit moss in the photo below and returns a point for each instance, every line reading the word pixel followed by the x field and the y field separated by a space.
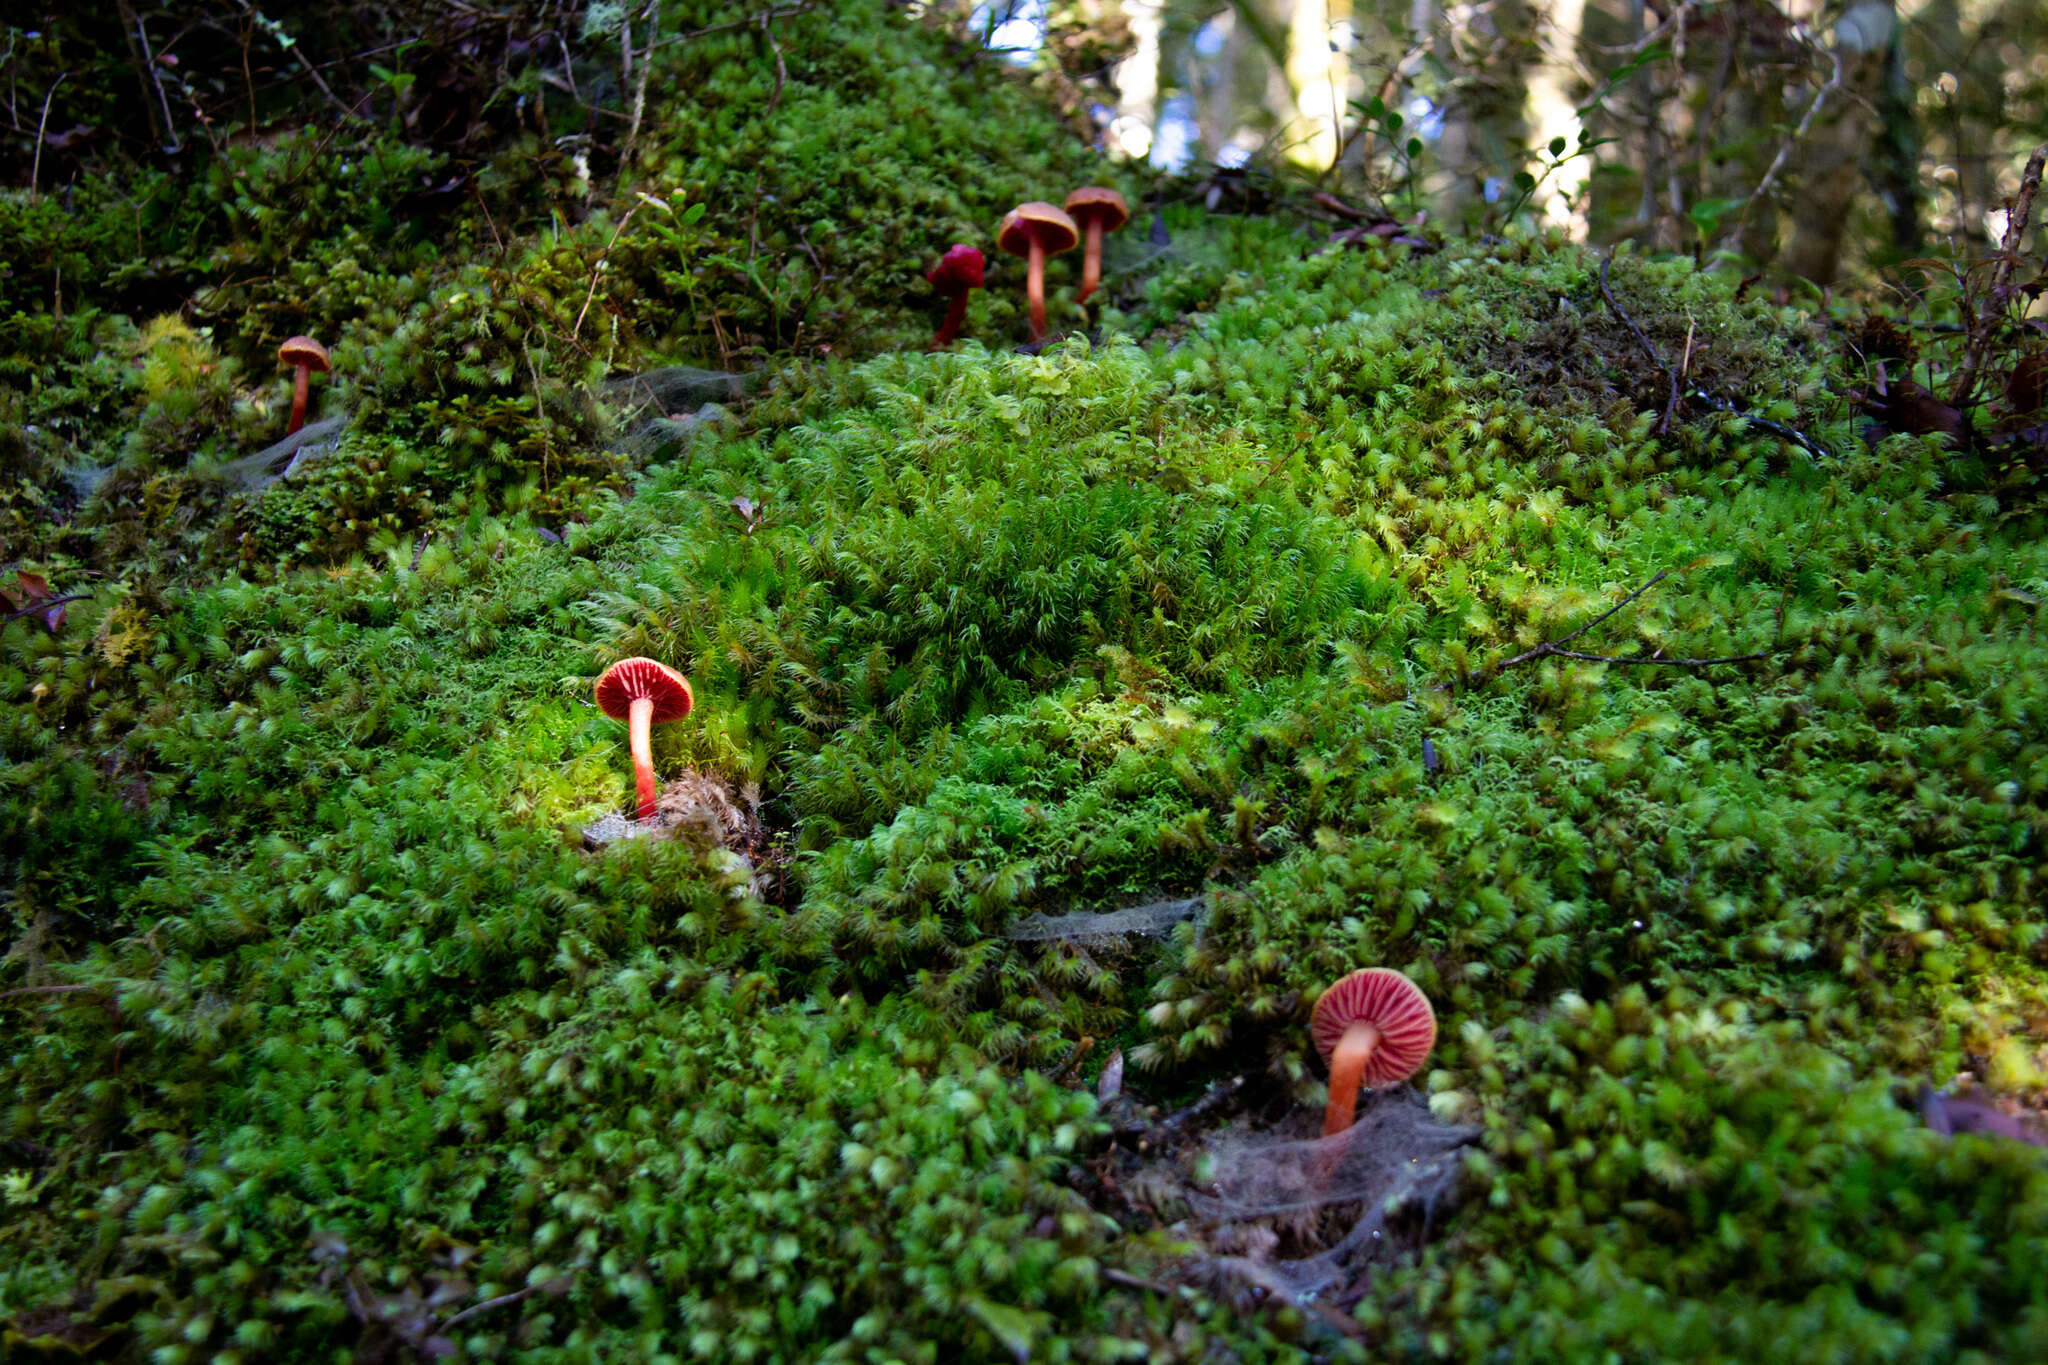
pixel 1232 602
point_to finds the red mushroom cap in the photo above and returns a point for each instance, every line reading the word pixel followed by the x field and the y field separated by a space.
pixel 1038 222
pixel 1094 201
pixel 628 680
pixel 960 269
pixel 1391 1003
pixel 304 351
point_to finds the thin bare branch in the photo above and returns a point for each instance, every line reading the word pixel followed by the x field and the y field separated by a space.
pixel 45 604
pixel 45 990
pixel 1820 97
pixel 1655 579
pixel 1555 649
pixel 149 65
pixel 35 170
pixel 503 1300
pixel 781 71
pixel 1656 356
pixel 786 12
pixel 1984 326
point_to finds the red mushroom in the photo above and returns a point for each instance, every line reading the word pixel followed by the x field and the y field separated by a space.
pixel 958 271
pixel 644 694
pixel 308 355
pixel 1375 1027
pixel 1097 210
pixel 1035 231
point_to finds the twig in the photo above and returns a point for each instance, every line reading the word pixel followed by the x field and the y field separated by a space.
pixel 2018 212
pixel 45 990
pixel 487 1305
pixel 597 267
pixel 1834 83
pixel 1649 658
pixel 149 64
pixel 1217 1096
pixel 786 12
pixel 129 23
pixel 781 71
pixel 639 87
pixel 1554 649
pixel 1657 578
pixel 1778 429
pixel 489 221
pixel 35 169
pixel 1130 1281
pixel 1656 356
pixel 347 110
pixel 45 604
pixel 1337 206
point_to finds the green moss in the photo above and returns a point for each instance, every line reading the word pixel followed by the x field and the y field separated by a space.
pixel 1245 599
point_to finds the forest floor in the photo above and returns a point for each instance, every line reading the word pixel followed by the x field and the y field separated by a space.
pixel 1068 718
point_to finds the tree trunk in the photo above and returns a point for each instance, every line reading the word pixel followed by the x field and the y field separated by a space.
pixel 1827 168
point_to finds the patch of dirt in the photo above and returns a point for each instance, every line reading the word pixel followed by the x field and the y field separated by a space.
pixel 1574 351
pixel 1274 1211
pixel 712 812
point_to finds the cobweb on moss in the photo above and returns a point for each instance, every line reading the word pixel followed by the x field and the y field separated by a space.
pixel 1154 917
pixel 698 806
pixel 1281 1212
pixel 678 388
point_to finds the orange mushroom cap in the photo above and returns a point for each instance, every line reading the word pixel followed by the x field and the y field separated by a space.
pixel 630 680
pixel 1096 201
pixel 1044 225
pixel 304 351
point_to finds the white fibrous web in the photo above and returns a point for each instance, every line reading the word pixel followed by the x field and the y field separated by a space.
pixel 1279 1211
pixel 1155 917
pixel 698 806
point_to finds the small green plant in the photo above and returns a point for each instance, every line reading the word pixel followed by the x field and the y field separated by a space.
pixel 1375 119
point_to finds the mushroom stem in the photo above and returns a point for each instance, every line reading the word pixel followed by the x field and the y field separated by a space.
pixel 1347 1074
pixel 1091 258
pixel 639 734
pixel 956 313
pixel 1034 287
pixel 299 388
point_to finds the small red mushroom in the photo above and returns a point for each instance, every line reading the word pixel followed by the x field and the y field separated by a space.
pixel 1374 1027
pixel 308 355
pixel 1034 231
pixel 643 693
pixel 957 272
pixel 1097 210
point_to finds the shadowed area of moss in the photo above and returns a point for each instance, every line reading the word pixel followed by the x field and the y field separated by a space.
pixel 1306 588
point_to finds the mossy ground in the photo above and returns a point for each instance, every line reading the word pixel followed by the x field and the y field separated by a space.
pixel 323 1029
